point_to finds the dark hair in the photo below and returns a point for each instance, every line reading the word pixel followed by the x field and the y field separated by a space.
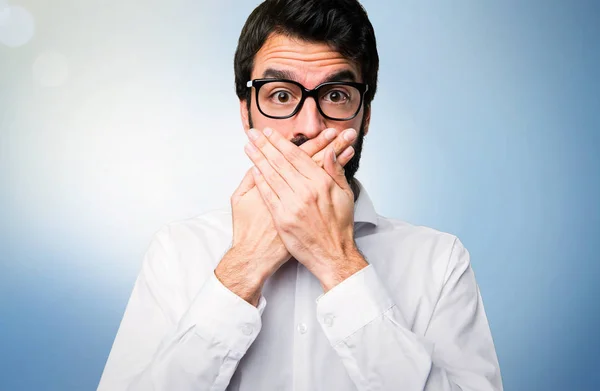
pixel 342 24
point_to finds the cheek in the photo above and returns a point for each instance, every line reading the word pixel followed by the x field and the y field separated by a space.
pixel 284 127
pixel 259 121
pixel 354 123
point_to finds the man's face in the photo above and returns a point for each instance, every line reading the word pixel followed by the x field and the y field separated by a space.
pixel 310 64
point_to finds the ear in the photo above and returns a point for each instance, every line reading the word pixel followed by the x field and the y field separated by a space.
pixel 367 119
pixel 244 114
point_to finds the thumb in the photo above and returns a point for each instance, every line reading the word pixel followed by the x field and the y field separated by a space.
pixel 333 167
pixel 244 187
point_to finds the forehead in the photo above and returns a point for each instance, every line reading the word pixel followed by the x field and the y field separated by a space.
pixel 309 62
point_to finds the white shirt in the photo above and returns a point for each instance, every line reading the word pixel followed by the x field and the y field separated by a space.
pixel 411 320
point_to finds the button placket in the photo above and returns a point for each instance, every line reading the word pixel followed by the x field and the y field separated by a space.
pixel 303 311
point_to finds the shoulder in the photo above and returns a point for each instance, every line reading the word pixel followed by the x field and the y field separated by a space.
pixel 417 247
pixel 209 224
pixel 199 241
pixel 414 237
pixel 213 224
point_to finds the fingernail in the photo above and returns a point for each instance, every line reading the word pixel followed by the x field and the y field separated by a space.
pixel 267 132
pixel 256 170
pixel 350 135
pixel 330 134
pixel 333 155
pixel 347 152
pixel 253 134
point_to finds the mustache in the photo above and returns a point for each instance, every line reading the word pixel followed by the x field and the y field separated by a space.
pixel 299 140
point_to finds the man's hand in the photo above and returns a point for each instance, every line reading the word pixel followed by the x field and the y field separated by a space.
pixel 257 250
pixel 341 144
pixel 312 207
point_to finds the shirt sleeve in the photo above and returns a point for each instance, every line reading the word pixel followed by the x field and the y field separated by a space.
pixel 166 342
pixel 379 350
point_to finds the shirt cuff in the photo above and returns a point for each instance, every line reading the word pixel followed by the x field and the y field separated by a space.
pixel 352 304
pixel 217 314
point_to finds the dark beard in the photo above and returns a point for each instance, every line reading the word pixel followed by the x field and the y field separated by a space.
pixel 351 167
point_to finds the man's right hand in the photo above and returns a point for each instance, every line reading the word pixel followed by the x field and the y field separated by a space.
pixel 257 251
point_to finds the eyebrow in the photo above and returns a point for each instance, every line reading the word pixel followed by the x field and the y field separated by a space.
pixel 272 73
pixel 343 75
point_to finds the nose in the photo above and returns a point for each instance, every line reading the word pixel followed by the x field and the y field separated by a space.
pixel 309 122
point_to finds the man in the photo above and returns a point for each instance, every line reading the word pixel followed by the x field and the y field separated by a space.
pixel 302 286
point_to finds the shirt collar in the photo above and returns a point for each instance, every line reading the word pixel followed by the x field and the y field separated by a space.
pixel 364 211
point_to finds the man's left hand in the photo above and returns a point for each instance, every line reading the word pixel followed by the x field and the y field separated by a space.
pixel 312 207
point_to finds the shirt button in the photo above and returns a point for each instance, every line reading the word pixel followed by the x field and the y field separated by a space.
pixel 302 328
pixel 328 320
pixel 247 329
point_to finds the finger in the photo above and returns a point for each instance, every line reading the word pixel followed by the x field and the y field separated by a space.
pixel 245 186
pixel 269 197
pixel 298 159
pixel 335 170
pixel 272 177
pixel 275 158
pixel 345 156
pixel 343 141
pixel 312 146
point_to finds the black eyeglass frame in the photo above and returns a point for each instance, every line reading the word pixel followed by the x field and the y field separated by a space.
pixel 314 93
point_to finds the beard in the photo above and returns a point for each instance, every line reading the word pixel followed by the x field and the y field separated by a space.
pixel 352 166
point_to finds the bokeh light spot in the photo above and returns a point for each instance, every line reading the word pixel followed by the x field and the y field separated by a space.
pixel 16 26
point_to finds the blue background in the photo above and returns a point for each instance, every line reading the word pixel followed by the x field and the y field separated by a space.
pixel 118 117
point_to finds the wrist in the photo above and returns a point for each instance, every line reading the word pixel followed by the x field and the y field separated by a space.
pixel 340 268
pixel 240 274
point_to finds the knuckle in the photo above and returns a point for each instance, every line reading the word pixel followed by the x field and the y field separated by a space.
pixel 310 196
pixel 340 145
pixel 297 213
pixel 286 222
pixel 325 183
pixel 318 158
pixel 271 202
pixel 321 143
pixel 295 154
pixel 271 177
pixel 279 161
pixel 310 147
pixel 260 141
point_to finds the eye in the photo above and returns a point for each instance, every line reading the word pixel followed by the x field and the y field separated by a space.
pixel 336 96
pixel 281 96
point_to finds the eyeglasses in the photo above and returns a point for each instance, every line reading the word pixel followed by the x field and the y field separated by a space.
pixel 281 98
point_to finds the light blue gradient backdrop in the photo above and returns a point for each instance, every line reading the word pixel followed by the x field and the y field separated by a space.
pixel 117 117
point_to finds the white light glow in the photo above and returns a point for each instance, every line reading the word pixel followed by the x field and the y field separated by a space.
pixel 4 12
pixel 16 26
